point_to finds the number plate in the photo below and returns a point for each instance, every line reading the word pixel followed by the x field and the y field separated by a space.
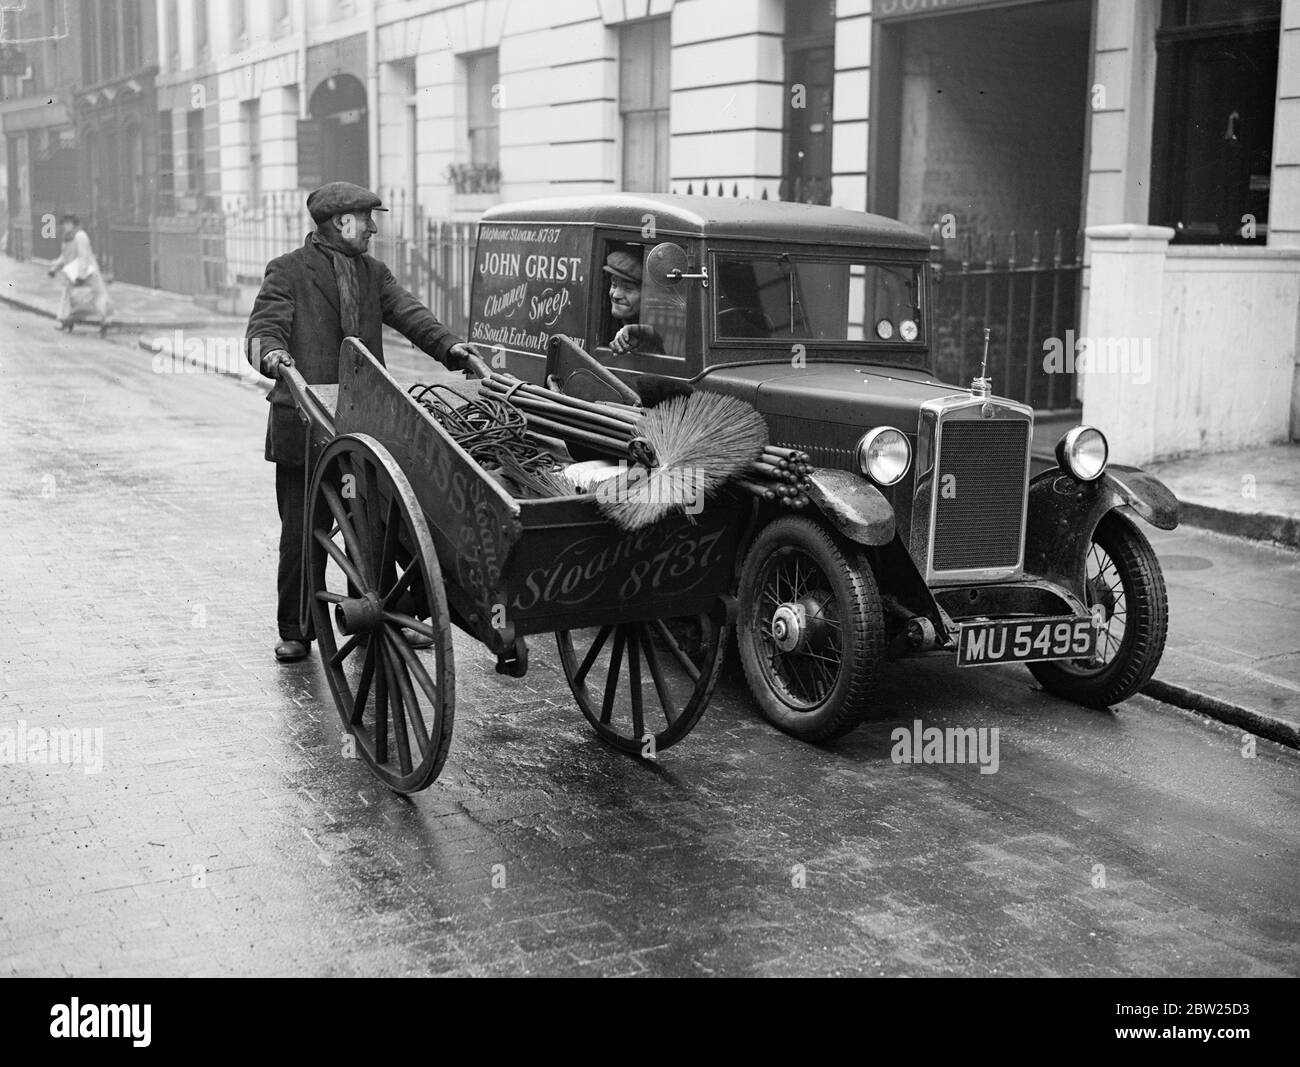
pixel 1026 641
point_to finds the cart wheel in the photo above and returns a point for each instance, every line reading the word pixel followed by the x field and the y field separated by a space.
pixel 606 667
pixel 373 571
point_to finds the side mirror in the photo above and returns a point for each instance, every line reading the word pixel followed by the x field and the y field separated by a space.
pixel 667 264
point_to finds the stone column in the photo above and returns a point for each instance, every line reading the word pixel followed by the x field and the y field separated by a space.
pixel 1123 316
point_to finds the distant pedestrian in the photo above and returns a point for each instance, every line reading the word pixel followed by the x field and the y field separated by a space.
pixel 310 300
pixel 83 283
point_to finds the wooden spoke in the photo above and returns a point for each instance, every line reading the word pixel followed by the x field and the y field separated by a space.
pixel 397 619
pixel 611 679
pixel 381 709
pixel 656 672
pixel 398 701
pixel 409 699
pixel 388 551
pixel 592 653
pixel 416 668
pixel 363 685
pixel 634 682
pixel 344 564
pixel 402 585
pixel 346 650
pixel 355 548
pixel 661 628
pixel 327 597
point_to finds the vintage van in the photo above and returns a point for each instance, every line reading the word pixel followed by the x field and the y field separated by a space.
pixel 928 534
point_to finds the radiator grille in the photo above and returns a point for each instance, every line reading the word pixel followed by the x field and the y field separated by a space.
pixel 979 492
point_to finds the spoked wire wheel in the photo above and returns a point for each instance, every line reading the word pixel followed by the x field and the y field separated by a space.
pixel 373 571
pixel 811 629
pixel 644 685
pixel 1125 591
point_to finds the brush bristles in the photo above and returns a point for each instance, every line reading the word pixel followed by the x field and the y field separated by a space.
pixel 701 441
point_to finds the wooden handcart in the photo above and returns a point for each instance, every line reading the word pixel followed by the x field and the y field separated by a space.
pixel 404 531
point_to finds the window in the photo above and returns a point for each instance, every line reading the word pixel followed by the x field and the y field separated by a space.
pixel 241 21
pixel 484 108
pixel 784 298
pixel 279 17
pixel 166 164
pixel 1212 148
pixel 644 51
pixel 194 151
pixel 660 309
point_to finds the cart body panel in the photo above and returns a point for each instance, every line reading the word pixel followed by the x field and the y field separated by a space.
pixel 519 567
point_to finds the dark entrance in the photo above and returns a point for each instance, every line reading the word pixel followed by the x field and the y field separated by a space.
pixel 335 143
pixel 978 129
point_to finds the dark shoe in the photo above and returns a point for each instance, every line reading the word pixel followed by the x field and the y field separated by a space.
pixel 416 640
pixel 292 651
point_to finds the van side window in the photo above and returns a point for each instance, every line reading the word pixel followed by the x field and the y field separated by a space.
pixel 655 315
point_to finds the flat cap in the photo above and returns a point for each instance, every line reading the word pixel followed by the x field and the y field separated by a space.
pixel 336 198
pixel 623 264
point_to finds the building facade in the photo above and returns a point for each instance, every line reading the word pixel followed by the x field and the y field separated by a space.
pixel 1113 186
pixel 80 128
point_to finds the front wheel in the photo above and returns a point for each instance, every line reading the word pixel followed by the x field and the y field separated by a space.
pixel 811 630
pixel 1126 591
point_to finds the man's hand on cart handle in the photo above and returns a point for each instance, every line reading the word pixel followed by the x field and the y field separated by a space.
pixel 463 357
pixel 274 360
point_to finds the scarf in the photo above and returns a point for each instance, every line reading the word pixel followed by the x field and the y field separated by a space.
pixel 345 274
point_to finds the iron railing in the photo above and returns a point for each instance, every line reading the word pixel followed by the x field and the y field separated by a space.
pixel 215 252
pixel 1025 295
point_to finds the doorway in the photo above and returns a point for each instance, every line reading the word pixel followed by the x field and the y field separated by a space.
pixel 338 108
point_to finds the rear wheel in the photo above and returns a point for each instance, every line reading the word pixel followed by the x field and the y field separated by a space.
pixel 1126 591
pixel 811 630
pixel 644 685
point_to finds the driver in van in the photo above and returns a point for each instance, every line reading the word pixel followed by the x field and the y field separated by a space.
pixel 623 265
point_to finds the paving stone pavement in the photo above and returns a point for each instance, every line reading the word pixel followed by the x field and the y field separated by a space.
pixel 226 835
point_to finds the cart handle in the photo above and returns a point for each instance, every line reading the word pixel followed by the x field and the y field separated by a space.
pixel 475 367
pixel 310 408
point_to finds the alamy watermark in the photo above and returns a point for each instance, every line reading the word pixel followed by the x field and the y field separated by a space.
pixel 930 744
pixel 1099 355
pixel 198 353
pixel 70 745
pixel 76 1019
pixel 635 484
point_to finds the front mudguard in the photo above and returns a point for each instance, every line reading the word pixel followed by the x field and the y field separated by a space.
pixel 853 506
pixel 1064 513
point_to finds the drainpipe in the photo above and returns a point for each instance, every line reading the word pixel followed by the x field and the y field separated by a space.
pixel 372 95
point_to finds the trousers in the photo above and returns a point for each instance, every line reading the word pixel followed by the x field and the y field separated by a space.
pixel 289 493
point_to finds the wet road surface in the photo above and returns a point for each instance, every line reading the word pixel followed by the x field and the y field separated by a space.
pixel 226 834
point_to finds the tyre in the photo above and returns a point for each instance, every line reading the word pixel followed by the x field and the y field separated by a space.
pixel 811 629
pixel 1124 580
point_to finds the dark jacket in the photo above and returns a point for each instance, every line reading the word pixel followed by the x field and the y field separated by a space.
pixel 297 309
